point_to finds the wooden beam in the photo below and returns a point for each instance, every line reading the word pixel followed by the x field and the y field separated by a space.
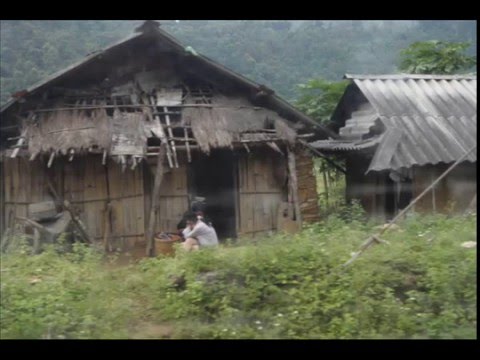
pixel 155 201
pixel 327 159
pixel 20 143
pixel 50 160
pixel 136 106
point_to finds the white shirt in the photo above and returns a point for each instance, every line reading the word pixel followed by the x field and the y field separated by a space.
pixel 206 235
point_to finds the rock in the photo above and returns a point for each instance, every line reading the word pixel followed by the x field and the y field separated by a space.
pixel 208 277
pixel 178 282
pixel 469 244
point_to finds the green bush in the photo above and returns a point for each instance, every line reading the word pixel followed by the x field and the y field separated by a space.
pixel 421 285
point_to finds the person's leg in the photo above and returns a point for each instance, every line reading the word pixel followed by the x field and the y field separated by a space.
pixel 190 244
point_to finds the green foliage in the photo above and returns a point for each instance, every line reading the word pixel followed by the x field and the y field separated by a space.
pixel 421 285
pixel 319 97
pixel 436 57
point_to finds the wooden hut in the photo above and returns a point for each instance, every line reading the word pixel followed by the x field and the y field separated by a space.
pixel 144 126
pixel 398 133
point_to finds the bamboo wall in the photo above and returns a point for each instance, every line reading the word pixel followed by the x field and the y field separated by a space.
pixel 173 194
pixel 89 186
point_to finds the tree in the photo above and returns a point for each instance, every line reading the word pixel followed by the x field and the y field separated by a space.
pixel 319 97
pixel 436 57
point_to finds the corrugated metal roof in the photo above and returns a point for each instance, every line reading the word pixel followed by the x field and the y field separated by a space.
pixel 409 76
pixel 436 114
pixel 345 145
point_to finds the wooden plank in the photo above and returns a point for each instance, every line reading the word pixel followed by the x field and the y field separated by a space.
pixel 126 197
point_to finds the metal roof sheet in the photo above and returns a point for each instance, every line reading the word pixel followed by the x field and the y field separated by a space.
pixel 436 113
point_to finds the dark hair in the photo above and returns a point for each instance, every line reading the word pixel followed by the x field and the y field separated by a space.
pixel 190 216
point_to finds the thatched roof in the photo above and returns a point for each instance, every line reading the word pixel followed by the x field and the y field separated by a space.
pixel 233 120
pixel 62 131
pixel 125 99
pixel 150 30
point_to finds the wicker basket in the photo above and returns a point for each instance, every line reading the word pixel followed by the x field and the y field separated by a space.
pixel 164 244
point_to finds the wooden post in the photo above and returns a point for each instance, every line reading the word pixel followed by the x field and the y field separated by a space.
pixel 292 171
pixel 155 200
pixel 187 144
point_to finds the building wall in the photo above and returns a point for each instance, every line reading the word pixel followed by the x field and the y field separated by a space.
pixel 368 189
pixel 173 193
pixel 307 186
pixel 452 195
pixel 89 186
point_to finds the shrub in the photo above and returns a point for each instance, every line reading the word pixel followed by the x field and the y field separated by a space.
pixel 421 285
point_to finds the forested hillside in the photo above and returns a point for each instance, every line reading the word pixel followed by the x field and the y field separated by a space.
pixel 279 54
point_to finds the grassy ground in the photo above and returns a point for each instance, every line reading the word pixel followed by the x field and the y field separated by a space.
pixel 421 285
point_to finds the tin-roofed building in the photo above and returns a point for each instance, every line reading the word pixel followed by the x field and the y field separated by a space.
pixel 398 133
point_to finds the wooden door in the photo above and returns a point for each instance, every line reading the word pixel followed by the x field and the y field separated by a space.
pixel 261 185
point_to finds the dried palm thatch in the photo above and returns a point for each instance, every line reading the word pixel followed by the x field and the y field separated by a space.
pixel 224 123
pixel 60 131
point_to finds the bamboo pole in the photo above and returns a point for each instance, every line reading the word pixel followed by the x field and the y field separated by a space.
pixel 163 136
pixel 170 134
pixel 93 107
pixel 21 141
pixel 150 250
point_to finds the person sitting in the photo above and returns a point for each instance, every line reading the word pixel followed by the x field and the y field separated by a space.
pixel 198 234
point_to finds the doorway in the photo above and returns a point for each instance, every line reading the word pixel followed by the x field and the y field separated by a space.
pixel 213 178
